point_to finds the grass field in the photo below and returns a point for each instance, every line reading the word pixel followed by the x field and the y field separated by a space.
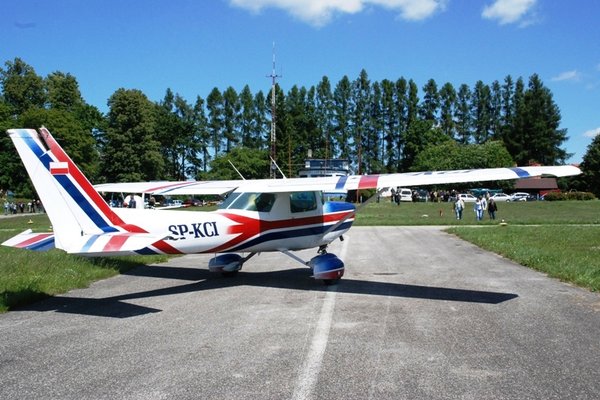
pixel 559 238
pixel 522 213
pixel 27 276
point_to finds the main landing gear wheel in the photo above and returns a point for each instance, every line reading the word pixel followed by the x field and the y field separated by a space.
pixel 327 267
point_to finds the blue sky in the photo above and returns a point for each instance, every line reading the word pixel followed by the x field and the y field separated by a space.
pixel 193 46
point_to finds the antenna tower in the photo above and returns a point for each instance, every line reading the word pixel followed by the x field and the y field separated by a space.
pixel 273 76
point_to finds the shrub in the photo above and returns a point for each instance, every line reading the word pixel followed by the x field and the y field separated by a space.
pixel 556 196
pixel 579 196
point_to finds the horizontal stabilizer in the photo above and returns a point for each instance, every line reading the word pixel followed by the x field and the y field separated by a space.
pixel 31 241
pixel 113 243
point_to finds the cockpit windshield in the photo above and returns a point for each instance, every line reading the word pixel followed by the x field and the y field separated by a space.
pixel 261 202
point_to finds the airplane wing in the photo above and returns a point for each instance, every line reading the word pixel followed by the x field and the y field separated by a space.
pixel 167 188
pixel 338 183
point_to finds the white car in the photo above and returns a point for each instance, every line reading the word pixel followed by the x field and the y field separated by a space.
pixel 500 197
pixel 405 194
pixel 519 196
pixel 467 197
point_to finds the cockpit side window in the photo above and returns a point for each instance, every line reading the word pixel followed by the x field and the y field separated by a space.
pixel 228 201
pixel 303 201
pixel 261 202
pixel 264 202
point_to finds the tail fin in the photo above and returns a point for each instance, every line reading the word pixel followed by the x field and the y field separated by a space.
pixel 74 207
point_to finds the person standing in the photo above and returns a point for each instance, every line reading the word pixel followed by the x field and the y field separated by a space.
pixel 478 208
pixel 459 206
pixel 492 208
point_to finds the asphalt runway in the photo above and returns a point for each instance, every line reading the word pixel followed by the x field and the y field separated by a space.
pixel 419 314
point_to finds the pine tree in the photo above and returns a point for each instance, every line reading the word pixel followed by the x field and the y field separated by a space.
pixel 462 114
pixel 231 111
pixel 262 126
pixel 202 135
pixel 481 112
pixel 216 116
pixel 390 125
pixel 403 116
pixel 591 167
pixel 247 118
pixel 342 114
pixel 536 137
pixel 431 101
pixel 361 100
pixel 324 114
pixel 447 108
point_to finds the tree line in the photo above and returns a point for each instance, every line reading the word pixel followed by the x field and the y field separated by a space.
pixel 380 126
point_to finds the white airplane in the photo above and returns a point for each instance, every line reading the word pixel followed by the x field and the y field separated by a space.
pixel 281 215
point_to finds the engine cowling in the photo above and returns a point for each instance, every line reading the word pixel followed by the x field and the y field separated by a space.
pixel 229 262
pixel 327 267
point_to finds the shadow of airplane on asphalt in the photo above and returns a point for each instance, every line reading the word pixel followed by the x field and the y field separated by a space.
pixel 297 279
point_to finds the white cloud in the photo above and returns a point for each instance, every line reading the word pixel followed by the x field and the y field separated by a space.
pixel 509 11
pixel 567 76
pixel 320 12
pixel 592 133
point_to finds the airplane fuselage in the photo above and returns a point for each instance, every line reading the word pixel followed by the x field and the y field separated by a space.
pixel 238 226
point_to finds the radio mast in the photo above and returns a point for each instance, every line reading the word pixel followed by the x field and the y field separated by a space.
pixel 273 152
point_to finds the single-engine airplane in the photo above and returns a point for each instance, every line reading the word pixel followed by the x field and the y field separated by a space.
pixel 281 215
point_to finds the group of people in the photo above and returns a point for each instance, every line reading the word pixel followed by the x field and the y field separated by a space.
pixel 22 207
pixel 480 206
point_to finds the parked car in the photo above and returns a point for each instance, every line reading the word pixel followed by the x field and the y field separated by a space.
pixel 420 195
pixel 500 197
pixel 467 197
pixel 173 203
pixel 191 202
pixel 519 196
pixel 405 194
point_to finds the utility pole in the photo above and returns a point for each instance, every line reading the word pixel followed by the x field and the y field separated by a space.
pixel 273 151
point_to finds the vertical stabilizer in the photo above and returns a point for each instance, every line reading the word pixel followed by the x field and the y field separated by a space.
pixel 74 207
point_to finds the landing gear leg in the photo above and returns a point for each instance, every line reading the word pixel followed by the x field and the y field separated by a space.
pixel 325 266
pixel 322 249
pixel 228 264
pixel 231 273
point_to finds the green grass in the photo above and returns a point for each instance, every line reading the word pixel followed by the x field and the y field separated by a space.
pixel 544 235
pixel 28 276
pixel 567 252
pixel 522 213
